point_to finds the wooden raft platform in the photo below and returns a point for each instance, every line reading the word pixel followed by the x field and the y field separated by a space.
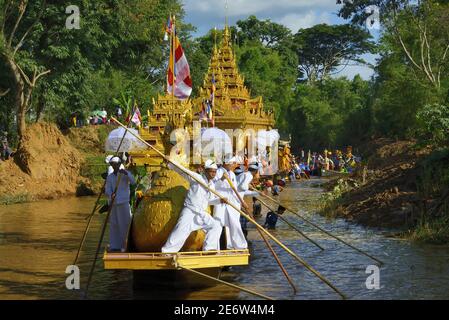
pixel 160 261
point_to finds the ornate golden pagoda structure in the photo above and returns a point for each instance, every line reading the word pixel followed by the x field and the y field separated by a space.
pixel 233 107
pixel 166 109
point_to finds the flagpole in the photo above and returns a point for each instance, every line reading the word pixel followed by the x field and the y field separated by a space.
pixel 174 62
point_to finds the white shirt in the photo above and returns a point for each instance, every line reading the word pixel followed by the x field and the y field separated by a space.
pixel 122 194
pixel 243 181
pixel 223 187
pixel 198 198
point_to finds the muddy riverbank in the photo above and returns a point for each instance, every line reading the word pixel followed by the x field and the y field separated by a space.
pixel 52 164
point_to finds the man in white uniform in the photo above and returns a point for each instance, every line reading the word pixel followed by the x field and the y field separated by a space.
pixel 108 161
pixel 194 215
pixel 228 216
pixel 245 178
pixel 120 213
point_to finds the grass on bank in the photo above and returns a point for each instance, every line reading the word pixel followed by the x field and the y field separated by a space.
pixel 331 201
pixel 15 199
pixel 434 231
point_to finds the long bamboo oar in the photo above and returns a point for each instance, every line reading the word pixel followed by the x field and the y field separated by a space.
pixel 291 225
pixel 103 230
pixel 264 238
pixel 86 230
pixel 319 228
pixel 201 183
pixel 225 283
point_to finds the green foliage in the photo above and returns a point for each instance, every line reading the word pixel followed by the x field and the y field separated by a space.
pixel 433 122
pixel 322 48
pixel 20 198
pixel 434 174
pixel 270 34
pixel 119 48
pixel 434 231
pixel 334 112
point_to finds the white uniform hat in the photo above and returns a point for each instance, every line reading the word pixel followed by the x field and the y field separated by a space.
pixel 239 159
pixel 253 159
pixel 253 166
pixel 115 160
pixel 231 160
pixel 210 164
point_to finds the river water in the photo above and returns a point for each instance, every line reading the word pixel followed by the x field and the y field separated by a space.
pixel 39 240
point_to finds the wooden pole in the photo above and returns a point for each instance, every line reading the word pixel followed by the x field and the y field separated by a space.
pixel 226 283
pixel 201 183
pixel 321 229
pixel 264 238
pixel 103 230
pixel 291 225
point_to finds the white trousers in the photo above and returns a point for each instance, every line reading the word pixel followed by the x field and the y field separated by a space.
pixel 230 218
pixel 188 222
pixel 118 225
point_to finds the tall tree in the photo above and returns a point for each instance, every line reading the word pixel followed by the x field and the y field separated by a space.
pixel 18 20
pixel 322 48
pixel 419 28
pixel 268 33
pixel 119 36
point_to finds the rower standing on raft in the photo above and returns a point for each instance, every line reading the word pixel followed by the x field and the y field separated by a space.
pixel 228 216
pixel 194 215
pixel 244 180
pixel 117 191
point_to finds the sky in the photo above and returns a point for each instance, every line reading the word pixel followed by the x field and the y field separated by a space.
pixel 294 14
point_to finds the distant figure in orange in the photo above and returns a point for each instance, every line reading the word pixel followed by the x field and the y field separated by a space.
pixel 285 160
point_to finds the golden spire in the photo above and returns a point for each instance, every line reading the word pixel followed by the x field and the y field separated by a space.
pixel 215 41
pixel 226 13
pixel 227 31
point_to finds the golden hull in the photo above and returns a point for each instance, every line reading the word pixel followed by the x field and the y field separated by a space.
pixel 158 213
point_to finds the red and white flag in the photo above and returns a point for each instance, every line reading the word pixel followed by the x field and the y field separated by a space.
pixel 137 117
pixel 178 72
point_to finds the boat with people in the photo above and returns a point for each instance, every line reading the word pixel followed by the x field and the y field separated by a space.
pixel 157 213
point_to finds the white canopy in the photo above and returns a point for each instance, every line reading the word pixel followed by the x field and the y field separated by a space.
pixel 130 142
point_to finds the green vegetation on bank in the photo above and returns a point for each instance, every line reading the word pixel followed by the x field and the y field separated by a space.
pixel 21 198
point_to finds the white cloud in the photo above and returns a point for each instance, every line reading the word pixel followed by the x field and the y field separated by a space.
pixel 247 7
pixel 205 14
pixel 295 21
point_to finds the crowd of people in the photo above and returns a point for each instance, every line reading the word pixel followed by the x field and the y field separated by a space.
pixel 314 164
pixel 98 117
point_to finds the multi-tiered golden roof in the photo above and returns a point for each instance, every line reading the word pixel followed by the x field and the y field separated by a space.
pixel 233 106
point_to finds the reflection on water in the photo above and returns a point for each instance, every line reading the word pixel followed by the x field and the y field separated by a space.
pixel 39 240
